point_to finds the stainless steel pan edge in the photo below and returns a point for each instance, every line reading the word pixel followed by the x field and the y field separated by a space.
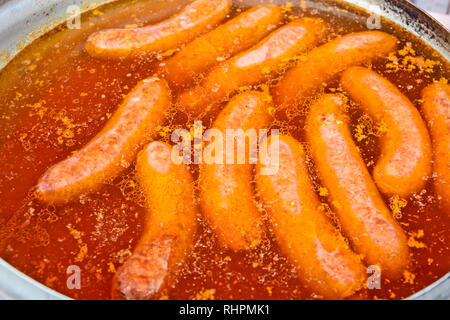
pixel 16 285
pixel 23 21
pixel 413 19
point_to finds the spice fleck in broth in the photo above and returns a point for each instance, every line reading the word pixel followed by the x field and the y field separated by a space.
pixel 55 98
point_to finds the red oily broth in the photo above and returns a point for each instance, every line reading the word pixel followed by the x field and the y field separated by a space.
pixel 55 98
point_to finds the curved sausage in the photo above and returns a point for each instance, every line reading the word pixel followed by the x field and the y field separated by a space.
pixel 326 61
pixel 254 66
pixel 226 194
pixel 195 19
pixel 405 160
pixel 169 228
pixel 436 109
pixel 221 44
pixel 361 210
pixel 322 257
pixel 113 149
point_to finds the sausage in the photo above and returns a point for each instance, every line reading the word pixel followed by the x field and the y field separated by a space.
pixel 221 43
pixel 169 227
pixel 322 257
pixel 226 194
pixel 405 160
pixel 254 66
pixel 197 18
pixel 436 110
pixel 113 149
pixel 361 211
pixel 326 61
pixel 27 162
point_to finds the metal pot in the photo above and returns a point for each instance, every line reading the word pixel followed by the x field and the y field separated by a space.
pixel 23 21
